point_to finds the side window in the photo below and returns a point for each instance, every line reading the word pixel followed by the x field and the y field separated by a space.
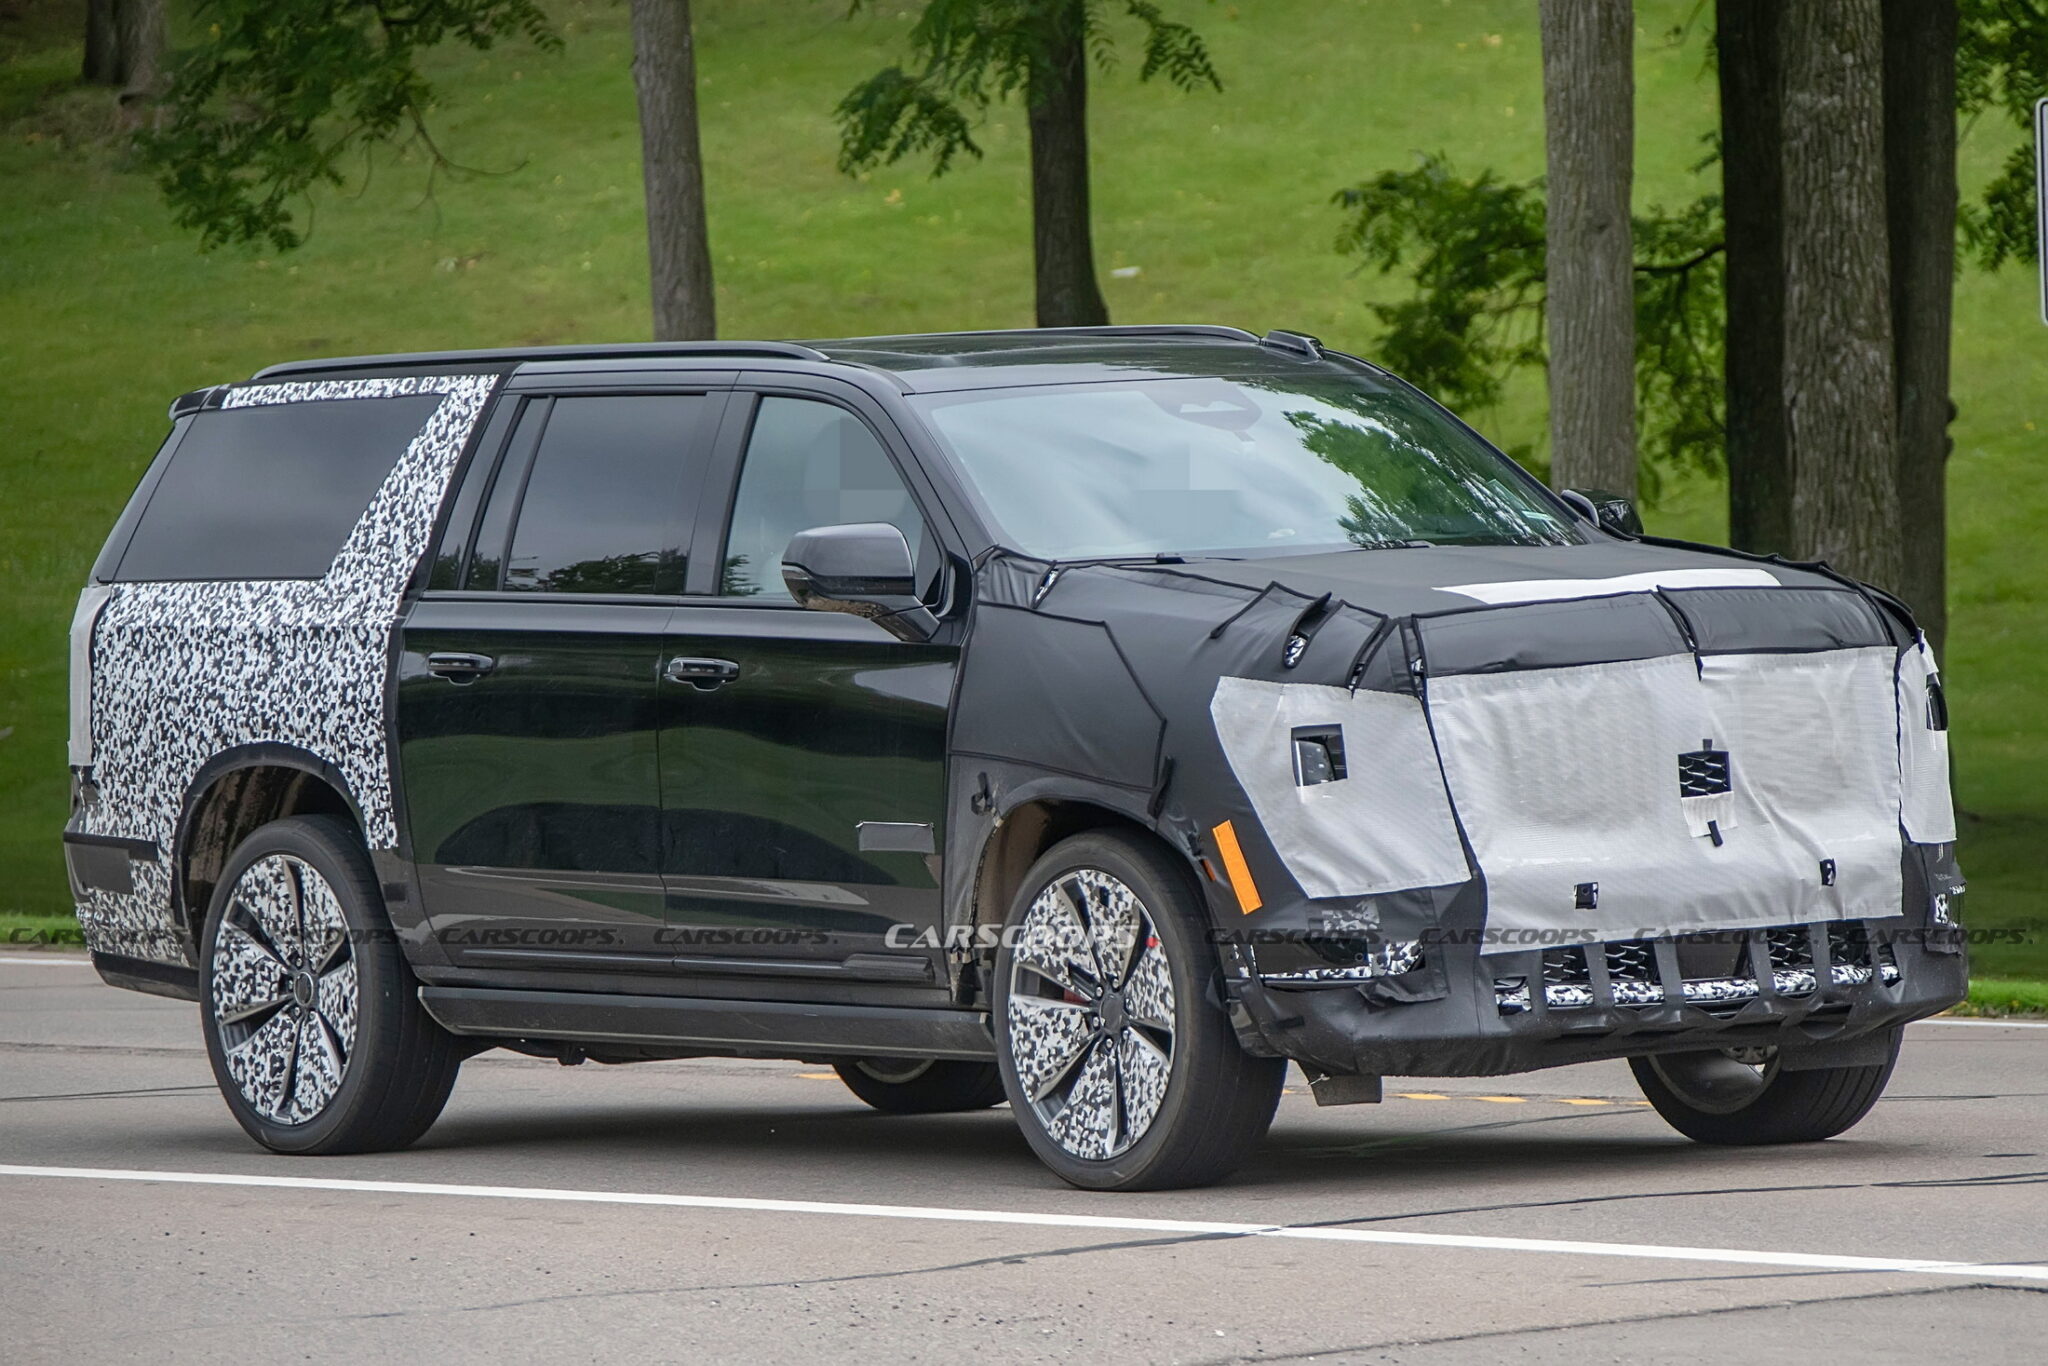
pixel 601 509
pixel 809 464
pixel 270 491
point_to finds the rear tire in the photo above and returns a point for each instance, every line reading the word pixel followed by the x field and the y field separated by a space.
pixel 1121 1067
pixel 1738 1097
pixel 311 1014
pixel 922 1086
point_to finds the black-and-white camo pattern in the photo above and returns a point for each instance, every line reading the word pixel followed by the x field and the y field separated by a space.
pixel 1089 1017
pixel 184 671
pixel 285 990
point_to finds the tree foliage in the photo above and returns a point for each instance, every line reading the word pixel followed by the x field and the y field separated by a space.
pixel 1474 247
pixel 281 95
pixel 2002 67
pixel 969 54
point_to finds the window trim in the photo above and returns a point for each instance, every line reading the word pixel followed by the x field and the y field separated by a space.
pixel 477 470
pixel 518 454
pixel 715 514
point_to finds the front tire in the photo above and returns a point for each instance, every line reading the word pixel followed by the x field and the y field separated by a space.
pixel 311 1014
pixel 1738 1097
pixel 1120 1064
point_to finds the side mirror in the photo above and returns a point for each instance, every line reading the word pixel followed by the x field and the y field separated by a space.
pixel 863 569
pixel 1611 512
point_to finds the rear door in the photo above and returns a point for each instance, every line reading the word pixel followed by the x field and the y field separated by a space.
pixel 803 752
pixel 527 702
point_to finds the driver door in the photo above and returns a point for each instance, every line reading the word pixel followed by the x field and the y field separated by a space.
pixel 802 753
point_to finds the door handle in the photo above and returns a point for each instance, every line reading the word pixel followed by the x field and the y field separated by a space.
pixel 458 666
pixel 701 674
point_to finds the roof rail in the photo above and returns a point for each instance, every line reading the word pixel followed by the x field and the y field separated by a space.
pixel 1158 330
pixel 1108 330
pixel 519 354
pixel 1301 343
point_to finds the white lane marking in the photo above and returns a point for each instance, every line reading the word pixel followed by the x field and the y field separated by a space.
pixel 1810 1261
pixel 45 960
pixel 1988 1023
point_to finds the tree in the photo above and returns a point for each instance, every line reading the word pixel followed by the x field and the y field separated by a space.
pixel 672 165
pixel 1588 104
pixel 1920 41
pixel 971 54
pixel 1840 394
pixel 284 94
pixel 2002 64
pixel 1752 199
pixel 126 42
pixel 1479 310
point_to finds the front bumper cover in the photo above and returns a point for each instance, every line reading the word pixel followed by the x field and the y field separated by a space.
pixel 1438 1005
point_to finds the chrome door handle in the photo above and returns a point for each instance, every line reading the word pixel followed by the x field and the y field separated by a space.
pixel 459 667
pixel 701 674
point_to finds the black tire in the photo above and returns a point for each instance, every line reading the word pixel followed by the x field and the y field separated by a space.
pixel 295 925
pixel 1101 1118
pixel 922 1086
pixel 1703 1097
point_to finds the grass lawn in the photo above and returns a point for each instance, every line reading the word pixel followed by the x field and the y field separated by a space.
pixel 1219 203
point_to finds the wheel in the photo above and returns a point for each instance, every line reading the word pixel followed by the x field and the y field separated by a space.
pixel 922 1086
pixel 311 1014
pixel 1738 1096
pixel 1119 1062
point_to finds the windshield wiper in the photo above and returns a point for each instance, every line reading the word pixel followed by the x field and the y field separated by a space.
pixel 1394 545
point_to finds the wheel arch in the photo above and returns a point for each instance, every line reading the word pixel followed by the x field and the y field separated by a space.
pixel 233 794
pixel 1034 822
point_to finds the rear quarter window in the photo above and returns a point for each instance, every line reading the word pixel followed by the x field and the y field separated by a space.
pixel 272 491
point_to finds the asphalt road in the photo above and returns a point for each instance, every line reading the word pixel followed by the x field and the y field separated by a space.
pixel 714 1210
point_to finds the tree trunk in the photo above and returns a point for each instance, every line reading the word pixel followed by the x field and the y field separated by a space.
pixel 1589 122
pixel 1840 400
pixel 1752 194
pixel 1920 193
pixel 672 166
pixel 1062 240
pixel 144 38
pixel 102 44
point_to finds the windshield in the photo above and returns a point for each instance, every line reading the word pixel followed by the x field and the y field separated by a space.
pixel 1244 466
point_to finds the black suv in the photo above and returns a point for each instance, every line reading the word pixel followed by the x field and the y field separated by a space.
pixel 1091 719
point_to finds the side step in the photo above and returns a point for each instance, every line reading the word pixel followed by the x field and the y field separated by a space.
pixel 762 1029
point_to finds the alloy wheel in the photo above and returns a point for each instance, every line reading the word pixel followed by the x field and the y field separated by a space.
pixel 285 990
pixel 1090 1017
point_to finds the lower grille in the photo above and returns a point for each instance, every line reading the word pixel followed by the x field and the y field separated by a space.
pixel 1387 960
pixel 1632 973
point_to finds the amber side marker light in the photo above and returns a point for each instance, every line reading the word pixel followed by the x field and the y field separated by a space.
pixel 1234 865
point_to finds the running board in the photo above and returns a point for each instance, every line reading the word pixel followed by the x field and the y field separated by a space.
pixel 764 1029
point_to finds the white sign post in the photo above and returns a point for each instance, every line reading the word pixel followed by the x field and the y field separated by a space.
pixel 2041 196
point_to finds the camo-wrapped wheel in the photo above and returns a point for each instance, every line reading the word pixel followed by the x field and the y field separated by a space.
pixel 1123 1072
pixel 311 1015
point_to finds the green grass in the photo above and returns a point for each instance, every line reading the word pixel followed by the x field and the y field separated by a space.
pixel 56 930
pixel 2004 996
pixel 1220 201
